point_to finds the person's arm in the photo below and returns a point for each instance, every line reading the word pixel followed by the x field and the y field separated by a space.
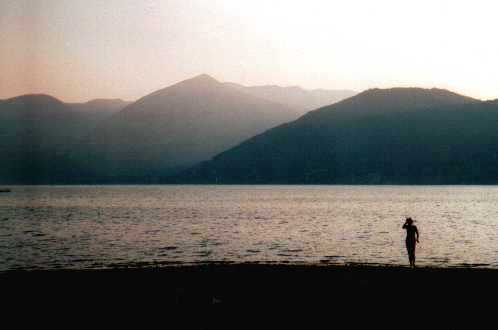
pixel 404 226
pixel 416 232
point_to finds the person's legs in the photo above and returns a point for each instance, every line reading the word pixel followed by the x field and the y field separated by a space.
pixel 413 254
pixel 408 250
pixel 410 247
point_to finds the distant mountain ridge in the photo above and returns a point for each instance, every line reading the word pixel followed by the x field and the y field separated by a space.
pixel 108 106
pixel 401 98
pixel 45 100
pixel 296 97
pixel 176 127
pixel 214 132
pixel 36 130
pixel 394 136
pixel 49 116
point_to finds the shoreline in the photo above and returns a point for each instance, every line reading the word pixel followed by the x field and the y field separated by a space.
pixel 172 265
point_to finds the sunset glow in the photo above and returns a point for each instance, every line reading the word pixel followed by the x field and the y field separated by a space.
pixel 78 50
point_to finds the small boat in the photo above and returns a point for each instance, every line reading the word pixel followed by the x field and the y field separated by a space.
pixel 5 190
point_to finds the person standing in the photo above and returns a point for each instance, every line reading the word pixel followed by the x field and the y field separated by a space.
pixel 411 240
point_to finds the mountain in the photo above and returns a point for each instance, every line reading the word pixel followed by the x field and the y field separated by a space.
pixel 296 97
pixel 44 120
pixel 173 128
pixel 392 136
pixel 401 99
pixel 36 130
pixel 40 122
pixel 101 107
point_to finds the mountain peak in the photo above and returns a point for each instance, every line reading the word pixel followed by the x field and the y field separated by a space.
pixel 203 76
pixel 202 79
pixel 32 99
pixel 404 98
pixel 200 82
pixel 416 92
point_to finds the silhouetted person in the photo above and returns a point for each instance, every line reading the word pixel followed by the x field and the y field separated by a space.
pixel 411 240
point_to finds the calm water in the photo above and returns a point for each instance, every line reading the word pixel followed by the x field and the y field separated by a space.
pixel 101 226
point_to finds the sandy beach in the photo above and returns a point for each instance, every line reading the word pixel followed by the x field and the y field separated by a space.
pixel 217 295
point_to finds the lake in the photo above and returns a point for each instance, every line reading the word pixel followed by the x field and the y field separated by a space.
pixel 53 227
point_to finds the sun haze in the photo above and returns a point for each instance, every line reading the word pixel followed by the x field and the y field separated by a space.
pixel 79 50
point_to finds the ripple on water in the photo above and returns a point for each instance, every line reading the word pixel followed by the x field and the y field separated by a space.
pixel 168 248
pixel 333 257
pixel 293 250
pixel 41 226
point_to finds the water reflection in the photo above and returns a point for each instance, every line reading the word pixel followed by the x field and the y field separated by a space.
pixel 98 226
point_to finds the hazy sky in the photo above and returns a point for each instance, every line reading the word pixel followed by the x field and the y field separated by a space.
pixel 78 50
